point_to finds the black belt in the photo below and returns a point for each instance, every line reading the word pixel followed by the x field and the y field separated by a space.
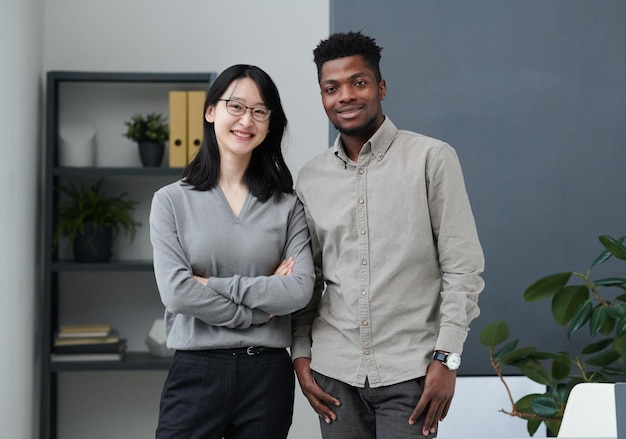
pixel 252 350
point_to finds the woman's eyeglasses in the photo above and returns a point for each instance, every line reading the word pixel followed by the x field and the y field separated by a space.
pixel 235 108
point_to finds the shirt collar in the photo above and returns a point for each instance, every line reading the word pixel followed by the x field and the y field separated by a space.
pixel 377 145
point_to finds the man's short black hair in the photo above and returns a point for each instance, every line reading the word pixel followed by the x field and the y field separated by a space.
pixel 340 45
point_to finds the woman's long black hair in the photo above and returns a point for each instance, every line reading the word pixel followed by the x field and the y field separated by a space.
pixel 267 173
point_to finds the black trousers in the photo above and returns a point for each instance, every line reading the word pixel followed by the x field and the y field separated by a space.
pixel 221 394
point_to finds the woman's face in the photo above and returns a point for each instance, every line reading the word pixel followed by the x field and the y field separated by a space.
pixel 238 136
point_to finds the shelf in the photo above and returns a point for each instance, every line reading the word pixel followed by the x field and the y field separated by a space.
pixel 131 361
pixel 70 94
pixel 124 266
pixel 137 77
pixel 104 171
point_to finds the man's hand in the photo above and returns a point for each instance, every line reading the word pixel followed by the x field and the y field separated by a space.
pixel 437 396
pixel 318 399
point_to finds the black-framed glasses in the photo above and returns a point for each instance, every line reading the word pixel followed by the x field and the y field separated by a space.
pixel 236 108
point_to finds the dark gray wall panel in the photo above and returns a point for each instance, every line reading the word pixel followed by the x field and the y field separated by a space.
pixel 532 94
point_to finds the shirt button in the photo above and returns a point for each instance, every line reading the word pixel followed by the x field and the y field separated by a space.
pixel 363 293
pixel 366 351
pixel 363 232
pixel 365 323
pixel 361 171
pixel 380 154
pixel 361 201
pixel 364 262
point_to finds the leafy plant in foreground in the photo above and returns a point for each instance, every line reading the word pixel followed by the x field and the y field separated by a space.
pixel 577 301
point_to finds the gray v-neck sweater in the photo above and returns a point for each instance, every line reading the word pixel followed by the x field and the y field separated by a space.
pixel 196 233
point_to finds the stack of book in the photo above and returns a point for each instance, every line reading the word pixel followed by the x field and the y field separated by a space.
pixel 88 343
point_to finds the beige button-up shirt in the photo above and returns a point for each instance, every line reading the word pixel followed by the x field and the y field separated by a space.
pixel 397 259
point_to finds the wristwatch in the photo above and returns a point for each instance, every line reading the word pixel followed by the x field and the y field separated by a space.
pixel 451 360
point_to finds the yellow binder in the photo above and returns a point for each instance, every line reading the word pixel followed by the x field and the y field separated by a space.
pixel 178 129
pixel 195 122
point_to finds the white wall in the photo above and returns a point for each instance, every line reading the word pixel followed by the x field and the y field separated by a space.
pixel 476 410
pixel 183 36
pixel 20 129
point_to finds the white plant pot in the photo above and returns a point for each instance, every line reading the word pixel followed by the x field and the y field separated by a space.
pixel 77 144
pixel 156 340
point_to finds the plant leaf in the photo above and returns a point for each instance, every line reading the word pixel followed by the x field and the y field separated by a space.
pixel 597 319
pixel 566 301
pixel 614 246
pixel 609 324
pixel 561 367
pixel 596 347
pixel 604 255
pixel 561 393
pixel 532 426
pixel 494 333
pixel 603 358
pixel 610 281
pixel 620 329
pixel 545 406
pixel 581 317
pixel 617 311
pixel 546 286
pixel 539 355
pixel 619 344
pixel 554 425
pixel 524 403
pixel 535 371
pixel 509 347
pixel 614 371
pixel 518 355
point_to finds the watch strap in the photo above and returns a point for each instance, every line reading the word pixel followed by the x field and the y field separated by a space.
pixel 441 356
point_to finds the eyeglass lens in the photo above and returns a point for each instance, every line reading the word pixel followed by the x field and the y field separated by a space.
pixel 235 108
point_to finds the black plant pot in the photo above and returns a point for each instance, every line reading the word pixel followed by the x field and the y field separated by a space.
pixel 151 153
pixel 93 245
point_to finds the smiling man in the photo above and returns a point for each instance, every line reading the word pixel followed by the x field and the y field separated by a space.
pixel 397 258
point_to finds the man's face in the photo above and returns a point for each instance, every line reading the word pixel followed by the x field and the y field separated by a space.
pixel 351 96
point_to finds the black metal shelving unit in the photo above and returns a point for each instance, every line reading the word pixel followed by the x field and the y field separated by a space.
pixel 53 267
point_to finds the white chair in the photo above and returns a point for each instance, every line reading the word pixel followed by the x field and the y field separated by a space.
pixel 590 412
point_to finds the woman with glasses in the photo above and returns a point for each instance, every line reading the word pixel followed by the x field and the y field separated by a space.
pixel 232 262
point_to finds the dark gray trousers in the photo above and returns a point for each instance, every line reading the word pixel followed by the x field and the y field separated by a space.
pixel 215 395
pixel 372 413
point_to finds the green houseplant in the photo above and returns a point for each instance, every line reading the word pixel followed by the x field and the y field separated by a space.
pixel 89 220
pixel 150 133
pixel 578 300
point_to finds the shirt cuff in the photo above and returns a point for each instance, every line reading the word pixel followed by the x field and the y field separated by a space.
pixel 300 347
pixel 450 339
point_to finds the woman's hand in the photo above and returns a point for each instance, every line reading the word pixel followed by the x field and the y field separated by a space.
pixel 202 280
pixel 285 268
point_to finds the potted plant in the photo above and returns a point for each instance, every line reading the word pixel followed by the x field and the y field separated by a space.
pixel 90 220
pixel 578 300
pixel 150 133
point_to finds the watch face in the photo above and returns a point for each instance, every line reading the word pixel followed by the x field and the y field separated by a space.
pixel 454 361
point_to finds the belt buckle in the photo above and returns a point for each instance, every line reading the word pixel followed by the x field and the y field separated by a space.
pixel 251 351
